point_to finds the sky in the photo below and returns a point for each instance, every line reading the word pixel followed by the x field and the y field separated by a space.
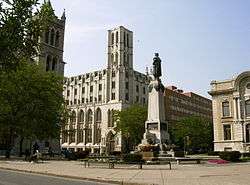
pixel 198 40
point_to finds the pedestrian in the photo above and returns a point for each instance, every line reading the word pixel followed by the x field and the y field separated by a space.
pixel 27 154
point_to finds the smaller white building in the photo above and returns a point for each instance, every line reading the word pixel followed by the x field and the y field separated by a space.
pixel 231 113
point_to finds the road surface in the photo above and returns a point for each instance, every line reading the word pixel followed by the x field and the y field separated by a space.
pixel 19 178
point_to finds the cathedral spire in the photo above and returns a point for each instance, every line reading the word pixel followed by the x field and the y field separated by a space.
pixel 63 15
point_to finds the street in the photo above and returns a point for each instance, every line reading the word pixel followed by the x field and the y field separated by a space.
pixel 18 178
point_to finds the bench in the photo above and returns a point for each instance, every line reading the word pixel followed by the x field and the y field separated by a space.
pixel 112 163
pixel 179 159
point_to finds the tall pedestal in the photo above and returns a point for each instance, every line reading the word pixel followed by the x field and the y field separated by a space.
pixel 156 125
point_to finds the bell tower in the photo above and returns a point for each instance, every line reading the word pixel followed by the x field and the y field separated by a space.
pixel 120 62
pixel 52 43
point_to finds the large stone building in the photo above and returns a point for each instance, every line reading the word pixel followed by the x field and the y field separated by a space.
pixel 231 113
pixel 180 105
pixel 93 96
pixel 51 45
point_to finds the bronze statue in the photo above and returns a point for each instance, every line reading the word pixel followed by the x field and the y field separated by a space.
pixel 157 66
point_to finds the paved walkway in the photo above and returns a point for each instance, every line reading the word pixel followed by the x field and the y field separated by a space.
pixel 187 174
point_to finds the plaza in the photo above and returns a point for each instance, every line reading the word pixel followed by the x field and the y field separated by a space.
pixel 187 174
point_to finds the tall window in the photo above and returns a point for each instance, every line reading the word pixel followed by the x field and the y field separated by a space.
pixel 113 96
pixel 225 109
pixel 57 38
pixel 98 125
pixel 52 37
pixel 116 37
pixel 248 133
pixel 247 104
pixel 227 132
pixel 112 38
pixel 128 40
pixel 81 116
pixel 124 39
pixel 89 126
pixel 112 58
pixel 54 64
pixel 113 85
pixel 116 58
pixel 48 61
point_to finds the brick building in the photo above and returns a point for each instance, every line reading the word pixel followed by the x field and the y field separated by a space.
pixel 179 105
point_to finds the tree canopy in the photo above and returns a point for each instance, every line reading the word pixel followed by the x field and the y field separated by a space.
pixel 131 123
pixel 21 25
pixel 196 132
pixel 31 100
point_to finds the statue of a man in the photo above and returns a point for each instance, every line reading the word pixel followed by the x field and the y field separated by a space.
pixel 157 66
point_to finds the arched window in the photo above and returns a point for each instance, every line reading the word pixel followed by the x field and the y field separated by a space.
pixel 248 133
pixel 73 117
pixel 98 115
pixel 98 125
pixel 225 109
pixel 54 62
pixel 116 37
pixel 48 61
pixel 47 37
pixel 52 37
pixel 247 104
pixel 81 116
pixel 89 126
pixel 112 38
pixel 57 38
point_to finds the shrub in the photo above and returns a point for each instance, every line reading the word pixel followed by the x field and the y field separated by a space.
pixel 246 155
pixel 230 156
pixel 179 153
pixel 132 158
pixel 81 154
pixel 213 153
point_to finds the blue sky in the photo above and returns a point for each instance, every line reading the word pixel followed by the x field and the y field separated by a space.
pixel 198 40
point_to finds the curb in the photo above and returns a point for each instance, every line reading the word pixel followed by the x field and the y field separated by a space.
pixel 72 177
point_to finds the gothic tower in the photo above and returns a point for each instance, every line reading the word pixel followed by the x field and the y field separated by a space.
pixel 52 44
pixel 120 64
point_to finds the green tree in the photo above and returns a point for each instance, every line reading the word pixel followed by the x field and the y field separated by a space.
pixel 21 25
pixel 31 103
pixel 194 132
pixel 131 124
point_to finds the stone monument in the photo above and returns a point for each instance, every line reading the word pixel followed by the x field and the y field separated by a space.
pixel 156 127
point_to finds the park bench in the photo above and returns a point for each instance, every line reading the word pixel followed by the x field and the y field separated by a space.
pixel 112 162
pixel 179 159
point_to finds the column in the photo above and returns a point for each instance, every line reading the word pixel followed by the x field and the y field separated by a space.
pixel 239 109
pixel 235 108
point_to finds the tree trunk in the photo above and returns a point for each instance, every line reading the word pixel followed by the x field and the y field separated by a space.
pixel 21 147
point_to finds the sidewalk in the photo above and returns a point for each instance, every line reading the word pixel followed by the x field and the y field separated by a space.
pixel 188 174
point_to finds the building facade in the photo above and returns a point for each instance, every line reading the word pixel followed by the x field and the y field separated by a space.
pixel 180 105
pixel 231 113
pixel 51 44
pixel 92 97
